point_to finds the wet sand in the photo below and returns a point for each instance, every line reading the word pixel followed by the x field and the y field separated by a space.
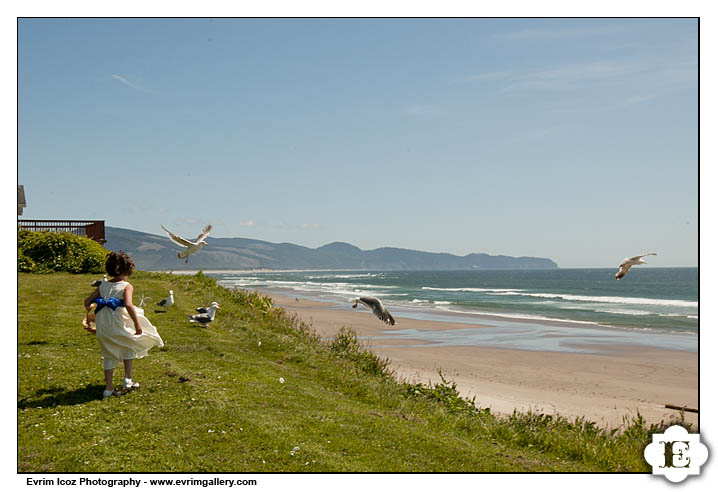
pixel 604 388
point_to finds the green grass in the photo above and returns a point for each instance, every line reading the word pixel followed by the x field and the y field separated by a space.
pixel 211 400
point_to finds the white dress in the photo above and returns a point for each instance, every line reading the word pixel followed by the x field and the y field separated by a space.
pixel 116 331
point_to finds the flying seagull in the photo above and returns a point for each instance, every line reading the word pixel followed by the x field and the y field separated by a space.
pixel 627 263
pixel 97 283
pixel 190 246
pixel 203 310
pixel 205 318
pixel 375 305
pixel 166 303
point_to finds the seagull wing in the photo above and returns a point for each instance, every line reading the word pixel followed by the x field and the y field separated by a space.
pixel 378 308
pixel 178 240
pixel 204 234
pixel 636 258
pixel 623 269
pixel 200 318
pixel 383 315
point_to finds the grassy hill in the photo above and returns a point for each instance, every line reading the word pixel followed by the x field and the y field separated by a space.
pixel 211 399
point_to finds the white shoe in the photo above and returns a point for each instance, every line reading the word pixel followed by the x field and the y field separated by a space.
pixel 129 384
pixel 108 393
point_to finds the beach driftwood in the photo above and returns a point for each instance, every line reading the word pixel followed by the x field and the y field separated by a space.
pixel 685 409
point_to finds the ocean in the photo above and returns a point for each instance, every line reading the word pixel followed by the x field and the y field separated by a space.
pixel 660 303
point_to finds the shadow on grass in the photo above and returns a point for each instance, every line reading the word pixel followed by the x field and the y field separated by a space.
pixel 55 397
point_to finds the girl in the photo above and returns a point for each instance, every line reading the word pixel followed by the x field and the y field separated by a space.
pixel 123 332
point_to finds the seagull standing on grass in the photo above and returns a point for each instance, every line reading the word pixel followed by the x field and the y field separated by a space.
pixel 205 318
pixel 97 283
pixel 190 246
pixel 627 263
pixel 375 305
pixel 203 310
pixel 166 303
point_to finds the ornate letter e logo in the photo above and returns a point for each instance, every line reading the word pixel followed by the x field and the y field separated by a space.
pixel 676 454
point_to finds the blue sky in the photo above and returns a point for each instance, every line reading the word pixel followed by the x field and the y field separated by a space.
pixel 573 139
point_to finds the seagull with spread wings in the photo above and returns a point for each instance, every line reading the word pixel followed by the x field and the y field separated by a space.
pixel 375 305
pixel 627 263
pixel 190 246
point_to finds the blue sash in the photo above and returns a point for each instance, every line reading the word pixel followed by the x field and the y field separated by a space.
pixel 112 303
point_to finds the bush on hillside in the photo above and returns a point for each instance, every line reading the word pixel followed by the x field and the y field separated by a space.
pixel 346 345
pixel 446 394
pixel 44 252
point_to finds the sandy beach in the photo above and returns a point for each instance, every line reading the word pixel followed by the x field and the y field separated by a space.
pixel 603 388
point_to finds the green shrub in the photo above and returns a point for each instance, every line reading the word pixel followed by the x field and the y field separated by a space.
pixel 43 252
pixel 346 345
pixel 446 394
pixel 24 264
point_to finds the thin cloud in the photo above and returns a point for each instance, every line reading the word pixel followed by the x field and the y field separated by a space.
pixel 571 75
pixel 651 71
pixel 248 223
pixel 311 226
pixel 558 33
pixel 487 76
pixel 634 100
pixel 128 83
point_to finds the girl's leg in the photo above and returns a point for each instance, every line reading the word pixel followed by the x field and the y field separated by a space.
pixel 108 378
pixel 128 368
pixel 109 366
pixel 128 383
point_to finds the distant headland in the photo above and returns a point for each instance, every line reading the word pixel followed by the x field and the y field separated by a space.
pixel 156 252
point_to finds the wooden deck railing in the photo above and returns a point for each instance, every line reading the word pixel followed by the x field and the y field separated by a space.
pixel 94 229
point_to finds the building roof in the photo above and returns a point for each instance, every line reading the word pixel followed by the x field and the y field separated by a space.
pixel 21 203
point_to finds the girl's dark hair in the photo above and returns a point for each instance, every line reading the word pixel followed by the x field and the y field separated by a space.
pixel 119 264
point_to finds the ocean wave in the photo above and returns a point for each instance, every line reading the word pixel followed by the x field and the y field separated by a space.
pixel 519 316
pixel 320 288
pixel 470 289
pixel 609 299
pixel 628 312
pixel 329 286
pixel 348 275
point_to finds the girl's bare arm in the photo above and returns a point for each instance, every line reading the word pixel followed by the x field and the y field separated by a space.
pixel 95 294
pixel 131 308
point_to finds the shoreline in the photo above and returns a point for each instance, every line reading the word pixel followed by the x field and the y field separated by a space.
pixel 602 387
pixel 520 331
